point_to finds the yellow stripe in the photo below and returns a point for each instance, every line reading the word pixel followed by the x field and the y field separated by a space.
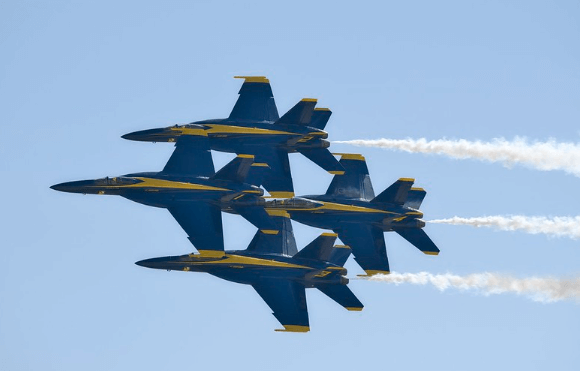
pixel 294 328
pixel 372 272
pixel 322 109
pixel 342 246
pixel 350 156
pixel 211 253
pixel 356 209
pixel 261 164
pixel 309 100
pixel 406 180
pixel 336 172
pixel 354 309
pixel 431 252
pixel 417 189
pixel 275 194
pixel 160 183
pixel 269 231
pixel 246 156
pixel 228 129
pixel 278 212
pixel 328 234
pixel 259 79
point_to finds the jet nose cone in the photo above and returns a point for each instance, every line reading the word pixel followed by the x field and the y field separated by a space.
pixel 65 187
pixel 143 263
pixel 151 135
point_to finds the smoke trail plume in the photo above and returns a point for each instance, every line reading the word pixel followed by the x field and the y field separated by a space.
pixel 548 155
pixel 557 226
pixel 546 289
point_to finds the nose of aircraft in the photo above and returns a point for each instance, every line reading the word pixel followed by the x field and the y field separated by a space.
pixel 151 135
pixel 81 186
pixel 155 263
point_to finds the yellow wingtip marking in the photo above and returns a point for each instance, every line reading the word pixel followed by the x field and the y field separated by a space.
pixel 259 79
pixel 337 172
pixel 350 156
pixel 354 309
pixel 309 100
pixel 406 180
pixel 294 328
pixel 246 156
pixel 431 252
pixel 322 109
pixel 329 234
pixel 282 194
pixel 342 246
pixel 269 231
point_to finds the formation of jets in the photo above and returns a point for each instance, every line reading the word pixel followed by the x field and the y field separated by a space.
pixel 196 195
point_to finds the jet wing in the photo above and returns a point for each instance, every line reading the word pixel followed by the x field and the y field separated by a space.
pixel 256 101
pixel 277 180
pixel 368 246
pixel 288 301
pixel 202 222
pixel 192 156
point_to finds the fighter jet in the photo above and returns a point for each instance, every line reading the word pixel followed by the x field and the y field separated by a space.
pixel 277 271
pixel 351 209
pixel 254 127
pixel 192 192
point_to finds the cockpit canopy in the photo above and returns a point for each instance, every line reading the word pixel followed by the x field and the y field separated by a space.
pixel 297 203
pixel 116 181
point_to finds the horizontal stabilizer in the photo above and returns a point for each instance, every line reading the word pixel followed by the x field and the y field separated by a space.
pixel 300 114
pixel 287 299
pixel 256 101
pixel 396 193
pixel 323 158
pixel 368 246
pixel 279 240
pixel 320 118
pixel 415 198
pixel 355 183
pixel 343 296
pixel 235 170
pixel 419 239
pixel 191 157
pixel 319 249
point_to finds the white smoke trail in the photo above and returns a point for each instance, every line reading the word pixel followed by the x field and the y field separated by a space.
pixel 545 290
pixel 548 155
pixel 557 226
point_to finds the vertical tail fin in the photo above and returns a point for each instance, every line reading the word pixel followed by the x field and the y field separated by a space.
pixel 300 114
pixel 320 118
pixel 397 193
pixel 355 183
pixel 236 170
pixel 277 241
pixel 415 198
pixel 319 249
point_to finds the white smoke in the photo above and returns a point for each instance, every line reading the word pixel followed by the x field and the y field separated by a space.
pixel 557 226
pixel 546 289
pixel 548 155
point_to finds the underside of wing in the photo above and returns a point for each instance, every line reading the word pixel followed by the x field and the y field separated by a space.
pixel 368 246
pixel 287 299
pixel 202 222
pixel 256 101
pixel 192 157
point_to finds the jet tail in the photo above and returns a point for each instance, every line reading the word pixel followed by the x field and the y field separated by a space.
pixel 319 249
pixel 415 198
pixel 355 183
pixel 397 193
pixel 418 238
pixel 300 114
pixel 320 118
pixel 279 240
pixel 235 170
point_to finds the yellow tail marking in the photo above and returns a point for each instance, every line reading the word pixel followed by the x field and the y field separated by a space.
pixel 329 234
pixel 246 156
pixel 416 189
pixel 337 172
pixel 269 231
pixel 261 164
pixel 341 246
pixel 309 100
pixel 322 109
pixel 294 328
pixel 354 309
pixel 430 252
pixel 350 156
pixel 407 180
pixel 259 79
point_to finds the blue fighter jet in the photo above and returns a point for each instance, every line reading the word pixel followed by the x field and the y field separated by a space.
pixel 192 191
pixel 277 271
pixel 255 128
pixel 351 209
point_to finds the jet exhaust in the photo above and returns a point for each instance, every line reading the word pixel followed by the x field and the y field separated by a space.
pixel 555 226
pixel 540 289
pixel 549 155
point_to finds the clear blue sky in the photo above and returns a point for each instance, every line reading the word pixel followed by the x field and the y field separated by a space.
pixel 75 77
